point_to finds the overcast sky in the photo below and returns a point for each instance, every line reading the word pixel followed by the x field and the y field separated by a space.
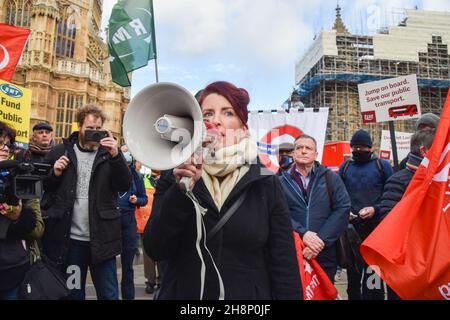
pixel 251 43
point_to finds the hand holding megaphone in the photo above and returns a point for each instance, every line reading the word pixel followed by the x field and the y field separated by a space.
pixel 189 173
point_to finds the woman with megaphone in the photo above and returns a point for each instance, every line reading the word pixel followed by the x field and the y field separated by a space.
pixel 247 251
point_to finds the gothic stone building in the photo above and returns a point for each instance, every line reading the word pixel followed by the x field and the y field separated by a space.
pixel 65 62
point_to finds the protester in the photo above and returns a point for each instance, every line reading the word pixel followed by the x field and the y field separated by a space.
pixel 285 157
pixel 128 202
pixel 83 225
pixel 318 202
pixel 18 223
pixel 426 121
pixel 364 177
pixel 152 269
pixel 253 255
pixel 40 144
pixel 397 184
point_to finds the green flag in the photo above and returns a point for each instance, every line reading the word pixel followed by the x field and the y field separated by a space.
pixel 131 38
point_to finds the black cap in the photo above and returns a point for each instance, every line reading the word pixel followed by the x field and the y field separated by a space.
pixel 43 125
pixel 362 138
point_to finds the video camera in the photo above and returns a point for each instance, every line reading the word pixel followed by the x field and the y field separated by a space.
pixel 21 180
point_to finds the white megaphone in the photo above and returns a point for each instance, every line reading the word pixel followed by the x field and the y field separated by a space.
pixel 163 126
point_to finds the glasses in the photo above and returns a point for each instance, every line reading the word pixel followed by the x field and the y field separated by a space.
pixel 5 146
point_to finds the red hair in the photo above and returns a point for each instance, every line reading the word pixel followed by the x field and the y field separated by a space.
pixel 237 97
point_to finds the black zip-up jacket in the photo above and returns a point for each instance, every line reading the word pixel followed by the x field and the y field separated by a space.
pixel 395 188
pixel 109 176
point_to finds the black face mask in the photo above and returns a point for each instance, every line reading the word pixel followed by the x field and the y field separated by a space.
pixel 362 156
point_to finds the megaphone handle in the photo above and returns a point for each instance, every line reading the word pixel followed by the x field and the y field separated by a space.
pixel 185 183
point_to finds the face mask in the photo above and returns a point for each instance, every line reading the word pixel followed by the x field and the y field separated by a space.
pixel 285 162
pixel 128 158
pixel 362 156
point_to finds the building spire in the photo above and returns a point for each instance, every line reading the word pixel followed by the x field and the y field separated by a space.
pixel 339 25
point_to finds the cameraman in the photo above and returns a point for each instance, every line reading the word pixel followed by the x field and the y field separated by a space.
pixel 83 224
pixel 17 223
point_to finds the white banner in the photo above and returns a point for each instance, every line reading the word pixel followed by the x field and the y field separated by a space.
pixel 271 129
pixel 403 140
pixel 389 100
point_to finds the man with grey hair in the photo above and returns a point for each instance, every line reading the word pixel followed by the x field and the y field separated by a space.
pixel 426 121
pixel 397 184
pixel 319 204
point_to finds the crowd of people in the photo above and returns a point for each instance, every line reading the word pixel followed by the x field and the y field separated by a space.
pixel 230 236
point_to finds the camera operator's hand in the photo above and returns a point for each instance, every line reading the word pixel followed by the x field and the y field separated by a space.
pixel 192 170
pixel 60 165
pixel 11 212
pixel 110 144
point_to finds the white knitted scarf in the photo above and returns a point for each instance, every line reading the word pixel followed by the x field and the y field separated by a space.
pixel 227 168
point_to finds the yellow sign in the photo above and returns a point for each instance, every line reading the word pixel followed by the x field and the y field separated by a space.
pixel 74 127
pixel 15 110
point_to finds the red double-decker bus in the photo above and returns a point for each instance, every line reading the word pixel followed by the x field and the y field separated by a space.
pixel 407 110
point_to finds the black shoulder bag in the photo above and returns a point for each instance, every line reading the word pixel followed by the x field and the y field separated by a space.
pixel 43 281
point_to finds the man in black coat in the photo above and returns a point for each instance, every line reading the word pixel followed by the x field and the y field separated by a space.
pixel 83 223
pixel 397 184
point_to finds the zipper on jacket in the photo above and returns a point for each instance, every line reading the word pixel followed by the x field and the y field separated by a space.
pixel 294 187
pixel 314 183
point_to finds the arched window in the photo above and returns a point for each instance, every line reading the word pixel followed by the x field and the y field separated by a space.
pixel 18 12
pixel 67 107
pixel 67 31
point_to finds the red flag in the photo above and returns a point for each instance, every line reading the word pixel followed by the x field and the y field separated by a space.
pixel 12 42
pixel 315 282
pixel 142 214
pixel 412 244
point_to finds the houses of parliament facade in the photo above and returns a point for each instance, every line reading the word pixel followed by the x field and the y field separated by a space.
pixel 65 62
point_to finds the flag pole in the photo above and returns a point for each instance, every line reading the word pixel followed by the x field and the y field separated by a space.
pixel 156 70
pixel 156 50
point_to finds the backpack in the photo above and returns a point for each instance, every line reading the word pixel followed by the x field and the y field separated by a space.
pixel 379 167
pixel 347 246
pixel 329 187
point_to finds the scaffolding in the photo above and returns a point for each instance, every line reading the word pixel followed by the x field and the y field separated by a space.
pixel 333 80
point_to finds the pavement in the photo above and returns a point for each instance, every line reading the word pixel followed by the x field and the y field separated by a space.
pixel 341 284
pixel 139 281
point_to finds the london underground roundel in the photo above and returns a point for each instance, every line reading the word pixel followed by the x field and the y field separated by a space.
pixel 266 151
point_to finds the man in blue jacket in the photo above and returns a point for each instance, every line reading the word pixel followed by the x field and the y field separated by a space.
pixel 318 202
pixel 128 202
pixel 364 177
